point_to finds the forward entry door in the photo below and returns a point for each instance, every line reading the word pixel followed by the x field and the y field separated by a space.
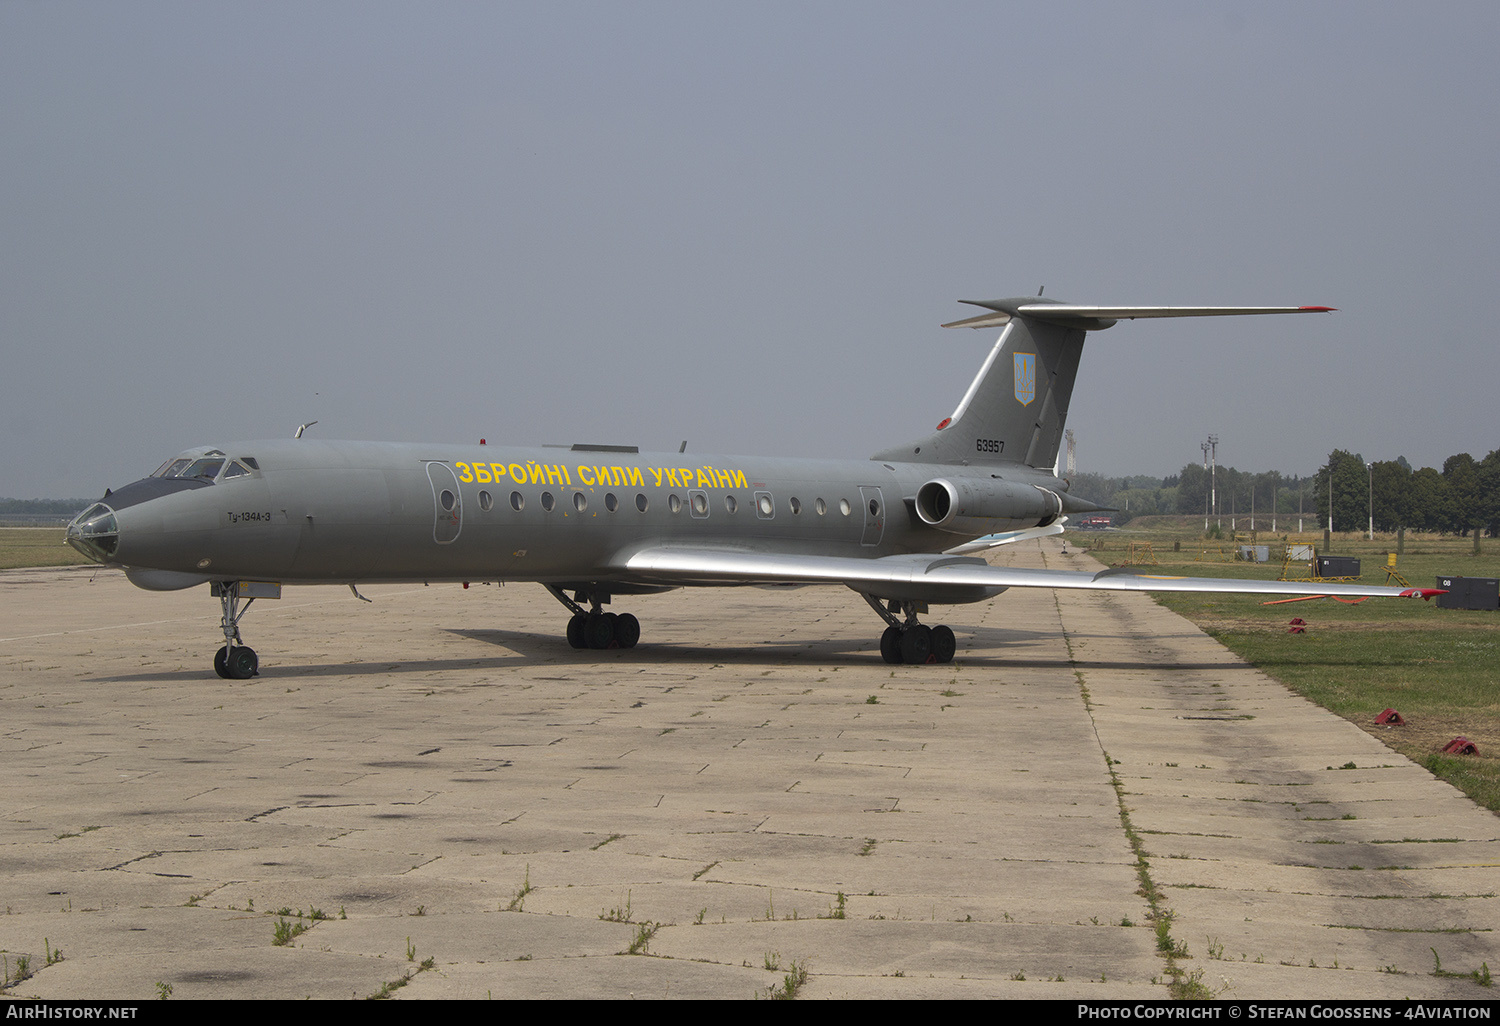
pixel 874 506
pixel 447 503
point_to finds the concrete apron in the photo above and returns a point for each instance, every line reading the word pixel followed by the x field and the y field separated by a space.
pixel 442 777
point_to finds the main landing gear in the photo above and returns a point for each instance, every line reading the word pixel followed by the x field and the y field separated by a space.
pixel 594 628
pixel 907 641
pixel 236 660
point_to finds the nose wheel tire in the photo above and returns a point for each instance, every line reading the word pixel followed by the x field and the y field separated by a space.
pixel 240 663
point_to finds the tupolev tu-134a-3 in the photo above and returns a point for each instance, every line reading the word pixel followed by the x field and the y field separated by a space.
pixel 597 523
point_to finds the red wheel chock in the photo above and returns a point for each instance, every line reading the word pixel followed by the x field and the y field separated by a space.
pixel 1461 746
pixel 1298 626
pixel 1390 718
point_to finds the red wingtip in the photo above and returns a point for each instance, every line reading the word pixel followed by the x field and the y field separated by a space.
pixel 1318 309
pixel 1425 594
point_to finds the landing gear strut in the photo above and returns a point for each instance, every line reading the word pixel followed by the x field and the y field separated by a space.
pixel 594 628
pixel 236 660
pixel 907 641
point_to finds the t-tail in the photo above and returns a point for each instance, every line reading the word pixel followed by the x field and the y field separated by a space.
pixel 1016 408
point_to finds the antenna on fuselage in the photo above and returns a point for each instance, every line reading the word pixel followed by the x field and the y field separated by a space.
pixel 303 428
pixel 683 447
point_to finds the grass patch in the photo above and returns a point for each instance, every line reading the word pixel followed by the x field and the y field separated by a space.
pixel 1435 666
pixel 36 546
pixel 287 931
pixel 641 944
pixel 794 980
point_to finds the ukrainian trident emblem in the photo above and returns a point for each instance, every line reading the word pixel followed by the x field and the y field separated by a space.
pixel 1025 377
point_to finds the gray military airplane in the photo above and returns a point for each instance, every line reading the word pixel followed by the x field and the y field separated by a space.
pixel 595 522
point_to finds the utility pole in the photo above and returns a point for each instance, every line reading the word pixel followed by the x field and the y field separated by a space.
pixel 1328 534
pixel 1213 475
pixel 1207 506
pixel 1371 468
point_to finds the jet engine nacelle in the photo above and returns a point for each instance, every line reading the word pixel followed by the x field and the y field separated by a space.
pixel 975 507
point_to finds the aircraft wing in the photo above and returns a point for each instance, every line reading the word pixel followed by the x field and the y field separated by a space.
pixel 931 573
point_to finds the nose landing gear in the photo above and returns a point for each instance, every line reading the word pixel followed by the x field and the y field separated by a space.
pixel 237 661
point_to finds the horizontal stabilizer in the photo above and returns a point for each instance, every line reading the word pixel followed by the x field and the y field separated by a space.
pixel 1123 313
pixel 1093 318
pixel 990 320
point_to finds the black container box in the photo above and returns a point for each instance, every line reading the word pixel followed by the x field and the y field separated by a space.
pixel 1469 592
pixel 1337 566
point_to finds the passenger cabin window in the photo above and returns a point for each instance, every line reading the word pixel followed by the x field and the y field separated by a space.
pixel 486 501
pixel 844 506
pixel 674 503
pixel 548 501
pixel 517 501
pixel 640 501
pixel 731 503
pixel 580 501
pixel 796 505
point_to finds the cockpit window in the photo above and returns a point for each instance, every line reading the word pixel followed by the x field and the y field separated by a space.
pixel 172 468
pixel 95 533
pixel 235 469
pixel 204 464
pixel 207 468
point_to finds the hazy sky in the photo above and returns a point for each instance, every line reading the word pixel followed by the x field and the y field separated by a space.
pixel 738 224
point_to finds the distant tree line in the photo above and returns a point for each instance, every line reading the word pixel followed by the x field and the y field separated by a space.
pixel 1240 493
pixel 42 506
pixel 1464 496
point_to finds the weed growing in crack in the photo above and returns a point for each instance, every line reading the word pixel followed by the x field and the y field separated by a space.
pixel 642 941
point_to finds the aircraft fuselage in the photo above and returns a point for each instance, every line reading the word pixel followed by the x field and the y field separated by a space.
pixel 349 512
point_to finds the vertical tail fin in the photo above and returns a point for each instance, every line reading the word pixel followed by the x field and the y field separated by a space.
pixel 1015 409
